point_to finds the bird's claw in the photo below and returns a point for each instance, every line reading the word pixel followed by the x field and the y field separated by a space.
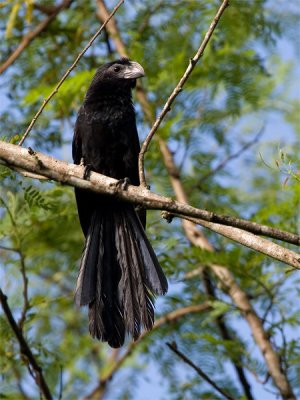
pixel 122 183
pixel 87 171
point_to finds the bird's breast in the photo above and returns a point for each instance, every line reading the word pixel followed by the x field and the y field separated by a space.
pixel 111 143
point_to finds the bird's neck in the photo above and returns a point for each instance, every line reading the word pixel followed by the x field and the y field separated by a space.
pixel 108 93
pixel 117 102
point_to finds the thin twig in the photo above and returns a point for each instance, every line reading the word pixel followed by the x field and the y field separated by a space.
pixel 199 371
pixel 60 394
pixel 9 249
pixel 18 250
pixel 55 90
pixel 177 90
pixel 18 376
pixel 168 318
pixel 231 157
pixel 34 368
pixel 48 10
pixel 26 303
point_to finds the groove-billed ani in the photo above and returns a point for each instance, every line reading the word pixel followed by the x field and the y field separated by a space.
pixel 119 274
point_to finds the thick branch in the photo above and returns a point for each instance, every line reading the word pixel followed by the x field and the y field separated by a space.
pixel 178 89
pixel 28 160
pixel 242 301
pixel 25 349
pixel 30 36
pixel 66 74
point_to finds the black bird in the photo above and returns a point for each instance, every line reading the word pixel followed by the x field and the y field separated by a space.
pixel 119 273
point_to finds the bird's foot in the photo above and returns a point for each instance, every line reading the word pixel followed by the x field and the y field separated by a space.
pixel 122 183
pixel 87 171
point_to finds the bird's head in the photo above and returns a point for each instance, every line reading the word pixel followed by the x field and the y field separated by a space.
pixel 121 70
pixel 118 75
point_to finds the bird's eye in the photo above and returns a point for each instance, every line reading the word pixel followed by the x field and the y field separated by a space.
pixel 117 69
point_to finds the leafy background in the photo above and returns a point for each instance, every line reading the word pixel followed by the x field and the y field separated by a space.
pixel 243 90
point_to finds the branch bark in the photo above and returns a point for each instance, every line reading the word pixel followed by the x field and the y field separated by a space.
pixel 38 163
pixel 25 350
pixel 30 36
pixel 250 240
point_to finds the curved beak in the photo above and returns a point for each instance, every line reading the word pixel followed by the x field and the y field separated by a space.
pixel 134 70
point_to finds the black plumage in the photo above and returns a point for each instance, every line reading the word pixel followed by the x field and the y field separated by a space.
pixel 119 273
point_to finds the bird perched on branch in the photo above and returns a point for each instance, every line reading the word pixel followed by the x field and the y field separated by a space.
pixel 119 273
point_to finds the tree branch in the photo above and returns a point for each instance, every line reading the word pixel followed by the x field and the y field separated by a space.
pixel 18 250
pixel 30 36
pixel 250 240
pixel 25 350
pixel 226 334
pixel 200 372
pixel 272 359
pixel 239 297
pixel 55 90
pixel 178 89
pixel 26 304
pixel 27 159
pixel 246 225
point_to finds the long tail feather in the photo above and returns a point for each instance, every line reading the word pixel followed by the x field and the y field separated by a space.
pixel 86 283
pixel 119 276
